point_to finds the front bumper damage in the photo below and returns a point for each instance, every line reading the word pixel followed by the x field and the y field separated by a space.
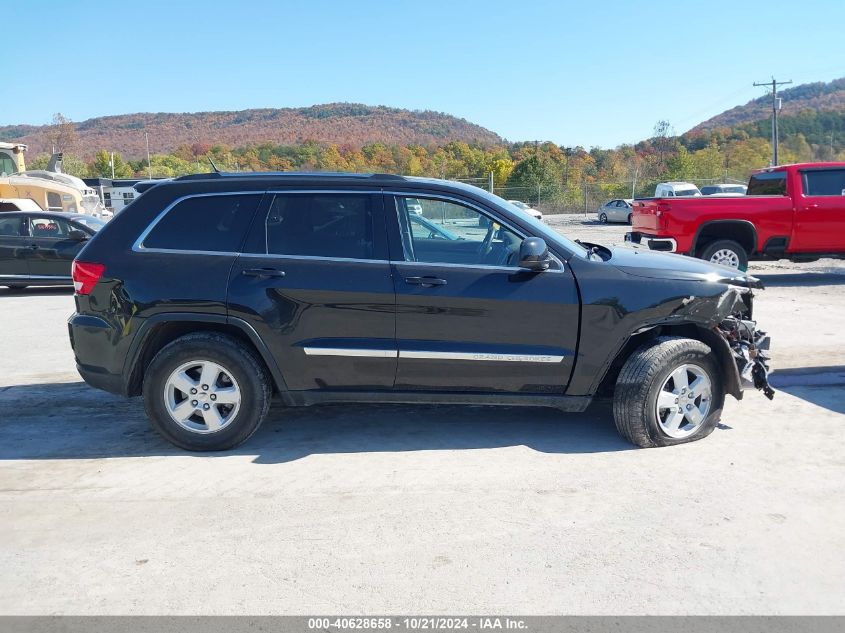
pixel 749 347
pixel 729 316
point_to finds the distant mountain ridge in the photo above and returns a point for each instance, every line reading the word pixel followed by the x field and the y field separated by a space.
pixel 818 97
pixel 338 123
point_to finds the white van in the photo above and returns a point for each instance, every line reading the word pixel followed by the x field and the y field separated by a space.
pixel 676 190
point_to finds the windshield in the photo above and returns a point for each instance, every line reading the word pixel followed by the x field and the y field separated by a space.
pixel 736 189
pixel 91 222
pixel 687 192
pixel 537 226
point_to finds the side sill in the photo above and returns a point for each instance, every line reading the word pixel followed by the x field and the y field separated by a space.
pixel 573 404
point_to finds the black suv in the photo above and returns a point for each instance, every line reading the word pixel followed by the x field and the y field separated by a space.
pixel 212 293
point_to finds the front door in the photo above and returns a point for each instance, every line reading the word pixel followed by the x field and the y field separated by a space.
pixel 14 247
pixel 52 250
pixel 315 283
pixel 467 317
pixel 820 212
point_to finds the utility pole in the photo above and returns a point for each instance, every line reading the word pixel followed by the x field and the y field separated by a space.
pixel 149 164
pixel 111 164
pixel 774 84
pixel 491 182
pixel 585 197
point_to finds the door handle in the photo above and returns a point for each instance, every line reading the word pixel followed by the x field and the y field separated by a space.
pixel 263 272
pixel 811 207
pixel 426 282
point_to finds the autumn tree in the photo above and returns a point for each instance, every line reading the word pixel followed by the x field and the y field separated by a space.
pixel 62 133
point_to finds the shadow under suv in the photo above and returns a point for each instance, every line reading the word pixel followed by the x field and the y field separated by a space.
pixel 212 293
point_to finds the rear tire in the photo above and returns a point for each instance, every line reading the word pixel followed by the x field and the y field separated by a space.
pixel 205 421
pixel 727 253
pixel 650 385
pixel 603 218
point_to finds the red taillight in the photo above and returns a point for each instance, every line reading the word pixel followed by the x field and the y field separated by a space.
pixel 85 276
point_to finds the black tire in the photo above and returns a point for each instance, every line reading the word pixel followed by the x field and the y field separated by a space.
pixel 641 380
pixel 603 218
pixel 710 250
pixel 237 360
pixel 630 218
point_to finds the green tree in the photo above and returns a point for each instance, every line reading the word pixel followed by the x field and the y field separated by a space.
pixel 538 177
pixel 102 168
pixel 681 166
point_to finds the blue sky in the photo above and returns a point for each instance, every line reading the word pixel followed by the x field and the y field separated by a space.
pixel 576 73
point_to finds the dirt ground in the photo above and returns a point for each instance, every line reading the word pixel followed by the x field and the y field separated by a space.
pixel 398 509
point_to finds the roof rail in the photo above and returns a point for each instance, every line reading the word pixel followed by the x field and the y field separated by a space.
pixel 286 174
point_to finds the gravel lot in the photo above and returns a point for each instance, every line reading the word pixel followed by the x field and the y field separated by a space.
pixel 390 509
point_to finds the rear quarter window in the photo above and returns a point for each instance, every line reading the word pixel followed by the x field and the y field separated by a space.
pixel 215 223
pixel 772 183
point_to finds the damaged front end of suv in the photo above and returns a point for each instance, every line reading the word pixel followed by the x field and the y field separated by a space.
pixel 748 345
pixel 695 299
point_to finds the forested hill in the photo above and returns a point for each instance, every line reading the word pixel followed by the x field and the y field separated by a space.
pixel 338 123
pixel 815 97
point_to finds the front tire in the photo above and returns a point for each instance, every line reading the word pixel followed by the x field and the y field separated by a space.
pixel 727 253
pixel 668 392
pixel 603 218
pixel 631 218
pixel 206 392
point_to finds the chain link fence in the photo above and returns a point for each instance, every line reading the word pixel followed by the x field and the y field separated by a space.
pixel 552 198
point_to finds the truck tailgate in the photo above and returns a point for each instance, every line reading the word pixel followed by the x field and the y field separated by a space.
pixel 646 216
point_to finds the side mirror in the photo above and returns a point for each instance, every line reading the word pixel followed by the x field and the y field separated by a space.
pixel 77 235
pixel 534 254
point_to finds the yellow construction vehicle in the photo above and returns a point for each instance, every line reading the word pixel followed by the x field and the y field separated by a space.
pixel 49 188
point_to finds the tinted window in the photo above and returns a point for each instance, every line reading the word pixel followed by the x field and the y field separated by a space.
pixel 54 201
pixel 10 226
pixel 454 234
pixel 706 191
pixel 824 182
pixel 771 183
pixel 48 227
pixel 321 225
pixel 205 223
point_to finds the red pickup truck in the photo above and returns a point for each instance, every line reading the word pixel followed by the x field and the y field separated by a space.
pixel 794 212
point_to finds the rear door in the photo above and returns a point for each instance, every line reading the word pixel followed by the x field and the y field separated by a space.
pixel 820 211
pixel 14 247
pixel 469 319
pixel 315 283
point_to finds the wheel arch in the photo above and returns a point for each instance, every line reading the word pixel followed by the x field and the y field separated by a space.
pixel 162 329
pixel 741 231
pixel 730 374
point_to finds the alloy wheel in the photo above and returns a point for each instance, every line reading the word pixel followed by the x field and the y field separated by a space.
pixel 683 401
pixel 202 396
pixel 725 257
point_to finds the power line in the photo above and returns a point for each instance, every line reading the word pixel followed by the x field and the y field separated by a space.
pixel 775 107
